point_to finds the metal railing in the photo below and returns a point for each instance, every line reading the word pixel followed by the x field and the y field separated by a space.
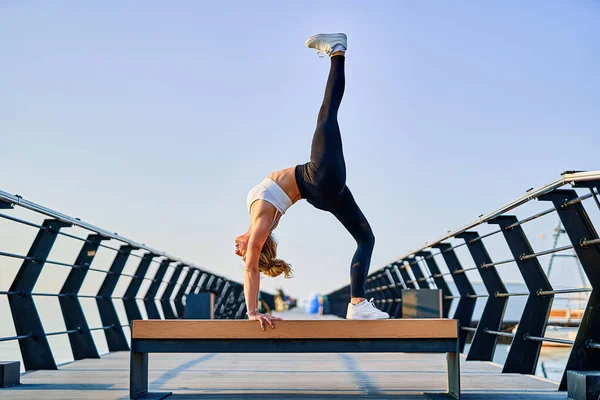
pixel 387 284
pixel 186 278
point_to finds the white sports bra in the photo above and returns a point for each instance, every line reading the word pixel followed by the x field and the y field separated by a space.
pixel 269 190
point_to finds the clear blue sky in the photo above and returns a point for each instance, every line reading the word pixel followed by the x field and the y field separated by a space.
pixel 154 118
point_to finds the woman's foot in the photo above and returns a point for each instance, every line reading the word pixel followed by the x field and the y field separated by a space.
pixel 365 310
pixel 328 43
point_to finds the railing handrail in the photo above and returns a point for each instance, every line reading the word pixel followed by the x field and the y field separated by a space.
pixel 565 178
pixel 22 202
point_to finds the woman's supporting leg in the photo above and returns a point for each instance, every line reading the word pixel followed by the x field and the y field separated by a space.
pixel 350 215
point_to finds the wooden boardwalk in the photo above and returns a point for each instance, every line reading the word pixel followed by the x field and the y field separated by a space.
pixel 278 376
pixel 281 376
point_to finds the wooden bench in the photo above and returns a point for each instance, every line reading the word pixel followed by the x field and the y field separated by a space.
pixel 325 336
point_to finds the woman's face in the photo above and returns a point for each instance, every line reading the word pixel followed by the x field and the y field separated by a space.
pixel 241 245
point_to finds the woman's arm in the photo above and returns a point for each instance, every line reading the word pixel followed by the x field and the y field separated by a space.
pixel 260 232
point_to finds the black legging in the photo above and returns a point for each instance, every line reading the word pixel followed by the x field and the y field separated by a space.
pixel 322 181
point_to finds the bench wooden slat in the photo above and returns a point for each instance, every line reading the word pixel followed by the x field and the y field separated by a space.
pixel 296 329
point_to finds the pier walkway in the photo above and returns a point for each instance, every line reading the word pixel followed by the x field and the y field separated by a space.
pixel 281 376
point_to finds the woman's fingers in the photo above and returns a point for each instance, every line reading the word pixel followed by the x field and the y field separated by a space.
pixel 268 318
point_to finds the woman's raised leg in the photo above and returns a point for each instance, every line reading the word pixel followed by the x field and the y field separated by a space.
pixel 328 169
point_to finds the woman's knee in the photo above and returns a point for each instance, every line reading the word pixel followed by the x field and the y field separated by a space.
pixel 367 237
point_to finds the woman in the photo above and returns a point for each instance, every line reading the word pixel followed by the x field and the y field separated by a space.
pixel 322 182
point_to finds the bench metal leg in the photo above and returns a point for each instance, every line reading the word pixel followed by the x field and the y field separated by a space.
pixel 453 360
pixel 453 392
pixel 138 378
pixel 138 375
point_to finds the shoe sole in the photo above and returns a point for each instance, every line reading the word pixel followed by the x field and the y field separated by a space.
pixel 367 319
pixel 329 36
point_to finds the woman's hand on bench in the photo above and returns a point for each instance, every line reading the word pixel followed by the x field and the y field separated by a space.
pixel 264 317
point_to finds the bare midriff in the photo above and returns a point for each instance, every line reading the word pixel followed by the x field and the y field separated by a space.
pixel 286 179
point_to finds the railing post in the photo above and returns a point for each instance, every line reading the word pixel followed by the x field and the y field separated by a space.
pixel 439 281
pixel 224 307
pixel 203 277
pixel 165 299
pixel 35 349
pixel 150 297
pixel 396 311
pixel 483 345
pixel 206 285
pixel 196 281
pixel 224 293
pixel 115 337
pixel 81 340
pixel 181 292
pixel 466 305
pixel 386 291
pixel 237 300
pixel 418 273
pixel 404 273
pixel 580 229
pixel 129 300
pixel 523 354
pixel 375 289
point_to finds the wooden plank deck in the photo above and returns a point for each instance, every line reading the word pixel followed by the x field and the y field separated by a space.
pixel 281 376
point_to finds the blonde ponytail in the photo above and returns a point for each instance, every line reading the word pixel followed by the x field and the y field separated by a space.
pixel 269 264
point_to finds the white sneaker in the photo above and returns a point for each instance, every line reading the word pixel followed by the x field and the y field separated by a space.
pixel 324 43
pixel 365 310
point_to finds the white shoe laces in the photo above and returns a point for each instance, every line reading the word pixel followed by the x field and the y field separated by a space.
pixel 323 49
pixel 376 309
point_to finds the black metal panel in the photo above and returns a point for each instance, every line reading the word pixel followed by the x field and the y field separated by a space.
pixel 241 311
pixel 204 277
pixel 181 292
pixel 5 205
pixel 81 340
pixel 150 298
pixel 206 285
pixel 396 309
pixel 404 274
pixel 388 291
pixel 466 304
pixel 196 281
pixel 294 346
pixel 218 309
pixel 129 300
pixel 35 349
pixel 115 337
pixel 418 273
pixel 439 280
pixel 483 345
pixel 165 299
pixel 523 354
pixel 579 228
